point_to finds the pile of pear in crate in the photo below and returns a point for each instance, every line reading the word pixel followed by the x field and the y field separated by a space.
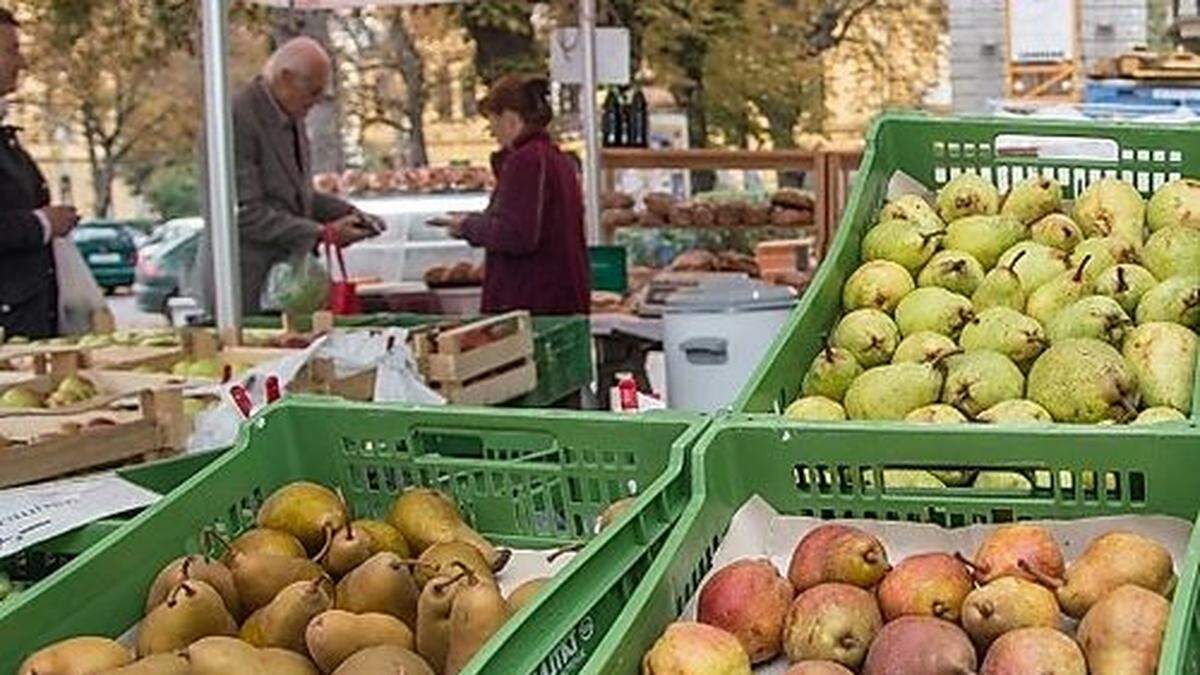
pixel 843 609
pixel 1005 310
pixel 310 590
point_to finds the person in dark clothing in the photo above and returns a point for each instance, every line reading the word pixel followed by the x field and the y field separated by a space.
pixel 28 223
pixel 532 230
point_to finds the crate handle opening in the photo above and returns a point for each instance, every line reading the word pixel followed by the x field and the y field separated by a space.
pixel 1058 148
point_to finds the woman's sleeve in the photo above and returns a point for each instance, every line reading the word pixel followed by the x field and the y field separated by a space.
pixel 513 222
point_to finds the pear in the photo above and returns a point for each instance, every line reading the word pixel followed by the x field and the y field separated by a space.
pixel 384 659
pixel 282 622
pixel 920 645
pixel 348 548
pixel 878 284
pixel 1176 203
pixel 155 664
pixel 933 309
pixel 758 625
pixel 1172 251
pixel 905 243
pixel 335 635
pixel 425 517
pixel 1122 633
pixel 1111 207
pixel 1058 293
pixel 956 271
pixel 1058 231
pixel 258 577
pixel 20 397
pixel 1001 480
pixel 1001 288
pixel 815 408
pixel 198 567
pixel 927 584
pixel 1034 650
pixel 1098 254
pixel 433 617
pixel 1005 605
pixel 262 540
pixel 978 380
pixel 525 593
pixel 837 553
pixel 80 655
pixel 924 347
pixel 818 668
pixel 1176 300
pixel 1032 199
pixel 1035 264
pixel 1083 380
pixel 967 194
pixel 696 648
pixel 612 512
pixel 1126 283
pixel 869 335
pixel 985 237
pixel 1159 415
pixel 304 510
pixel 891 392
pixel 833 622
pixel 936 413
pixel 1163 358
pixel 1021 550
pixel 221 655
pixel 384 537
pixel 1095 316
pixel 447 558
pixel 192 610
pixel 478 611
pixel 285 662
pixel 1114 559
pixel 381 584
pixel 1007 331
pixel 912 208
pixel 1015 411
pixel 830 374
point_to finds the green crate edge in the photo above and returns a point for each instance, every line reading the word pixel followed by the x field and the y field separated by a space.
pixel 620 651
pixel 663 499
pixel 757 395
pixel 561 349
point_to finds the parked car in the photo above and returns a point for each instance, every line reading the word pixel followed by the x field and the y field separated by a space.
pixel 109 251
pixel 163 262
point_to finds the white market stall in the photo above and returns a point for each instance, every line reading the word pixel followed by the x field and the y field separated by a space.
pixel 221 195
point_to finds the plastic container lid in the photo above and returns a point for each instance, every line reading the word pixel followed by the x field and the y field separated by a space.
pixel 730 295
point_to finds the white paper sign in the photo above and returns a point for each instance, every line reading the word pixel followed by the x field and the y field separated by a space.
pixel 1041 31
pixel 612 56
pixel 33 514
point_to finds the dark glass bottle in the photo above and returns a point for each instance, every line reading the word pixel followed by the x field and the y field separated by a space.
pixel 626 121
pixel 638 134
pixel 612 131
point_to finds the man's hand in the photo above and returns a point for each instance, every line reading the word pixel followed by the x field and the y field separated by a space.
pixel 62 219
pixel 348 230
pixel 455 224
pixel 371 222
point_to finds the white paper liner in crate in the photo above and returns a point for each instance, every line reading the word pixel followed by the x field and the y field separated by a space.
pixel 757 530
pixel 397 379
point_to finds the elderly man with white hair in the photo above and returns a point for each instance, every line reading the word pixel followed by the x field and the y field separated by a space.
pixel 279 214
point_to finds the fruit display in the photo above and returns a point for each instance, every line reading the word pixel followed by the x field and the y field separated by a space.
pixel 1008 309
pixel 421 180
pixel 72 390
pixel 1009 609
pixel 311 589
pixel 784 208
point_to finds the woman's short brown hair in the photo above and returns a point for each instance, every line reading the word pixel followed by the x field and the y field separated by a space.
pixel 526 95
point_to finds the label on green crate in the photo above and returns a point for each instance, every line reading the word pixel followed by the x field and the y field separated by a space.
pixel 29 515
pixel 571 653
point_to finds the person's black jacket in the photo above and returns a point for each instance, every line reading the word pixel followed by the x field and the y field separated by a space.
pixel 28 287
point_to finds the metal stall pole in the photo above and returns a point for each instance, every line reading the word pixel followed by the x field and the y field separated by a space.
pixel 591 133
pixel 221 195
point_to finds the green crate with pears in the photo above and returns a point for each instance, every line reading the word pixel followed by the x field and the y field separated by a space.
pixel 975 293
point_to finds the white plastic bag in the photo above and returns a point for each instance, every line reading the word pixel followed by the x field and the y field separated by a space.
pixel 299 285
pixel 78 293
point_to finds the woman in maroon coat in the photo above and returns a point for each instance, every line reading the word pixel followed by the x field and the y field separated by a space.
pixel 532 229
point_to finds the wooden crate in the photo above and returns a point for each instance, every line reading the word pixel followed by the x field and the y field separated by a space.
pixel 479 363
pixel 319 376
pixel 45 444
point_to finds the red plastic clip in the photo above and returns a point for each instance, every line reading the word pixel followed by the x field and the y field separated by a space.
pixel 272 387
pixel 241 398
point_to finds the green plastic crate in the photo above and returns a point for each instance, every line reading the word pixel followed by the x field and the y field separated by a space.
pixel 562 349
pixel 835 471
pixel 526 479
pixel 932 150
pixel 609 271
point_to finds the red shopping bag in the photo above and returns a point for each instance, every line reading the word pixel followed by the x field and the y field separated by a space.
pixel 343 293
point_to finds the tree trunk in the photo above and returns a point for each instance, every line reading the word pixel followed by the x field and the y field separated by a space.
pixel 102 188
pixel 325 119
pixel 692 98
pixel 412 70
pixel 781 125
